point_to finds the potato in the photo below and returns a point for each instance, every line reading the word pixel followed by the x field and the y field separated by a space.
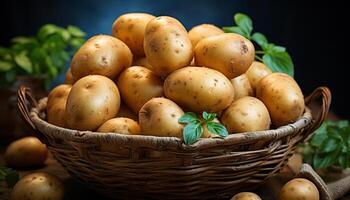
pixel 242 86
pixel 202 31
pixel 101 55
pixel 256 72
pixel 299 188
pixel 142 62
pixel 229 53
pixel 282 97
pixel 56 105
pixel 246 196
pixel 199 89
pixel 130 28
pixel 124 111
pixel 92 101
pixel 120 125
pixel 38 186
pixel 26 152
pixel 69 77
pixel 246 114
pixel 138 85
pixel 167 46
pixel 159 117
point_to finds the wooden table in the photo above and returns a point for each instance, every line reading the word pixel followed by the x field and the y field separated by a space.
pixel 76 190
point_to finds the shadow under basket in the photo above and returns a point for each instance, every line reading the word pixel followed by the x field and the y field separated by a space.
pixel 149 167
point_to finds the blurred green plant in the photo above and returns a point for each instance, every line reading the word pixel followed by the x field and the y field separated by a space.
pixel 44 55
pixel 329 146
pixel 275 57
pixel 8 175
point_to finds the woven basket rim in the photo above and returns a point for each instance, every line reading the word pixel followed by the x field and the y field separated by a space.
pixel 162 142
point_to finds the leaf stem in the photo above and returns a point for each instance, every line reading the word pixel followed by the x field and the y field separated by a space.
pixel 258 58
pixel 260 52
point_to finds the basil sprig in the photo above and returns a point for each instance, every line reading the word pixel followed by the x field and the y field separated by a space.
pixel 8 175
pixel 194 126
pixel 274 56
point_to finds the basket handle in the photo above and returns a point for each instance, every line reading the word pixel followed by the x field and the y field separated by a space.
pixel 25 103
pixel 320 113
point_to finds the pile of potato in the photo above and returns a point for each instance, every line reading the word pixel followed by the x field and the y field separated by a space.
pixel 151 71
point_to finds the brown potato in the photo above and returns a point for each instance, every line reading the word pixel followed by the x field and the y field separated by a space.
pixel 167 46
pixel 142 62
pixel 138 85
pixel 229 53
pixel 130 28
pixel 101 55
pixel 299 188
pixel 202 31
pixel 282 97
pixel 246 196
pixel 26 152
pixel 92 101
pixel 242 86
pixel 38 186
pixel 120 125
pixel 124 111
pixel 199 89
pixel 246 114
pixel 56 105
pixel 69 79
pixel 256 72
pixel 159 117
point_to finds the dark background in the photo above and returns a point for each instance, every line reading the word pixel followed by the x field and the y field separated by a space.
pixel 314 34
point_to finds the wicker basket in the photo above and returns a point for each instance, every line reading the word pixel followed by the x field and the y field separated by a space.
pixel 208 169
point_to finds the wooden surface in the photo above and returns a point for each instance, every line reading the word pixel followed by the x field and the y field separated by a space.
pixel 76 190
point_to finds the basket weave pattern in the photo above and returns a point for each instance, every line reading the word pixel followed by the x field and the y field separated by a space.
pixel 164 167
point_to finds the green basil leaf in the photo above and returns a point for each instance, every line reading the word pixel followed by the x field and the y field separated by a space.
pixel 47 30
pixel 10 76
pixel 12 178
pixel 188 117
pixel 5 66
pixel 344 160
pixel 24 40
pixel 260 39
pixel 217 128
pixel 208 116
pixel 277 49
pixel 330 145
pixel 75 31
pixel 319 136
pixel 75 43
pixel 279 62
pixel 192 132
pixel 244 23
pixel 323 160
pixel 52 69
pixel 24 62
pixel 234 29
pixel 65 34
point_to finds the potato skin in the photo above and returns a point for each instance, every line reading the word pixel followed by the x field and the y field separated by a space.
pixel 101 55
pixel 56 105
pixel 120 125
pixel 142 62
pixel 256 72
pixel 202 31
pixel 38 186
pixel 124 111
pixel 26 152
pixel 282 97
pixel 167 46
pixel 69 79
pixel 246 196
pixel 242 86
pixel 229 53
pixel 299 188
pixel 92 100
pixel 246 114
pixel 138 85
pixel 130 28
pixel 159 117
pixel 199 89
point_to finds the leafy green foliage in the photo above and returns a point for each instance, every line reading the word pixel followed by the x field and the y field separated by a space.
pixel 45 54
pixel 330 145
pixel 275 57
pixel 9 176
pixel 194 130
